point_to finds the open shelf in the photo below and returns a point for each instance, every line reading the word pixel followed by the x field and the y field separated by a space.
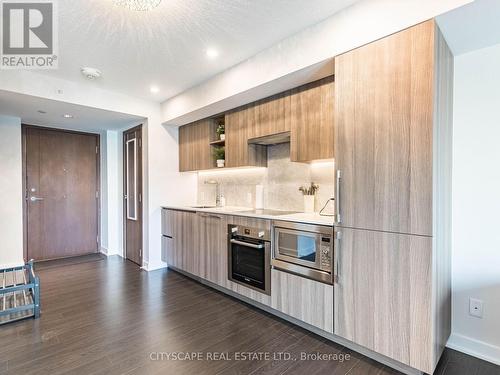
pixel 219 142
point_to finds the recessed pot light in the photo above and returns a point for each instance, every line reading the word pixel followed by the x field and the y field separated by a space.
pixel 91 73
pixel 212 53
pixel 154 89
pixel 68 116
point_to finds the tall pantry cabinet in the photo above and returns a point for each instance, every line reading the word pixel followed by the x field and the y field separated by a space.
pixel 393 107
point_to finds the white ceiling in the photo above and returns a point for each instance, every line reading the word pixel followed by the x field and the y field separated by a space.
pixel 473 26
pixel 166 46
pixel 85 118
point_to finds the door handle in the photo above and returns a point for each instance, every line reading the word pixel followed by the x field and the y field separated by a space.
pixel 338 237
pixel 337 196
pixel 36 199
pixel 246 244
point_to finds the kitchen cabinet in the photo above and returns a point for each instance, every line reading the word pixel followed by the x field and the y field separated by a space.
pixel 195 152
pixel 306 300
pixel 269 116
pixel 312 121
pixel 212 235
pixel 238 152
pixel 393 108
pixel 180 241
pixel 384 293
pixel 172 246
pixel 384 125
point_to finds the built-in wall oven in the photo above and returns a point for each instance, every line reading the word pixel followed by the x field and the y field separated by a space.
pixel 249 256
pixel 304 249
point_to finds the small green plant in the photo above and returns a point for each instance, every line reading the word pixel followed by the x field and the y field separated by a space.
pixel 219 153
pixel 221 128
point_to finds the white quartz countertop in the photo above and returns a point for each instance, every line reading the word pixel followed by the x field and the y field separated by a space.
pixel 304 218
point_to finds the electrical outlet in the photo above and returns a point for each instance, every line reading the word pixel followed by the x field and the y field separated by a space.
pixel 476 307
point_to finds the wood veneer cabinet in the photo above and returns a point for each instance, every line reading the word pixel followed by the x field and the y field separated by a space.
pixel 212 245
pixel 312 121
pixel 384 294
pixel 393 147
pixel 195 152
pixel 238 152
pixel 306 300
pixel 269 116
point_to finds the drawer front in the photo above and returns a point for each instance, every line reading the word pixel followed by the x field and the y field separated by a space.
pixel 306 300
pixel 167 222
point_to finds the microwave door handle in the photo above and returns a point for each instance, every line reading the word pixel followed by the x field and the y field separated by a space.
pixel 246 244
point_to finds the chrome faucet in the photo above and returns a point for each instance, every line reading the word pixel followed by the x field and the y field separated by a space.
pixel 218 195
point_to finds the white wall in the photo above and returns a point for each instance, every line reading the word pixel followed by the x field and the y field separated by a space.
pixel 163 183
pixel 11 192
pixel 476 202
pixel 355 26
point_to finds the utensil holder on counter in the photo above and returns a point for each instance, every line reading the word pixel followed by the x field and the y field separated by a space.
pixel 309 203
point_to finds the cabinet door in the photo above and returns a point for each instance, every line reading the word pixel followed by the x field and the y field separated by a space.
pixel 213 247
pixel 270 116
pixel 172 223
pixel 194 146
pixel 306 300
pixel 383 295
pixel 384 118
pixel 312 121
pixel 187 242
pixel 168 251
pixel 238 152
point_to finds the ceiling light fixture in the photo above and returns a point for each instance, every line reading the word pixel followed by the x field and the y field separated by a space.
pixel 68 116
pixel 91 73
pixel 154 89
pixel 212 53
pixel 140 5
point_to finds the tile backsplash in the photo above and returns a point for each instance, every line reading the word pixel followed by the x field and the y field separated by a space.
pixel 281 181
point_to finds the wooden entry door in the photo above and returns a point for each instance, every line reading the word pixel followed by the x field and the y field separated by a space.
pixel 132 165
pixel 62 193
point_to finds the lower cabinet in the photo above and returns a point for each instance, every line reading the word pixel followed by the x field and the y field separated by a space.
pixel 383 298
pixel 180 240
pixel 306 300
pixel 212 238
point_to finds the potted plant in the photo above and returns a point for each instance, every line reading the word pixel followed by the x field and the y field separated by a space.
pixel 309 193
pixel 219 155
pixel 221 130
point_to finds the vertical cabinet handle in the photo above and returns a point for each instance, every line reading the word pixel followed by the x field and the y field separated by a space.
pixel 336 270
pixel 337 196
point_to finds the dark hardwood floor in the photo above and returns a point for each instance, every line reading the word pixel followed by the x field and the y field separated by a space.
pixel 108 317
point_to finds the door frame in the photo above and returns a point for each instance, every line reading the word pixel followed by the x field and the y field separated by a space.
pixel 24 128
pixel 140 205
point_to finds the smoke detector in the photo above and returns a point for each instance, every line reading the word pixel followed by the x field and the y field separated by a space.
pixel 91 73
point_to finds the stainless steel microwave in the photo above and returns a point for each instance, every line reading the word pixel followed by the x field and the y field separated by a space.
pixel 304 249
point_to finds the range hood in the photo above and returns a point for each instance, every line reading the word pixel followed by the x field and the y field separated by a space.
pixel 269 140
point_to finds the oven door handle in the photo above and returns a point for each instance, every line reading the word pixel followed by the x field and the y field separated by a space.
pixel 253 246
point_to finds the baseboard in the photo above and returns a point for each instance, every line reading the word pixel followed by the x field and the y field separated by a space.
pixel 104 251
pixel 109 253
pixel 475 348
pixel 153 266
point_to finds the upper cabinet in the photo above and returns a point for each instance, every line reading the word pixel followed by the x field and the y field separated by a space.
pixel 312 121
pixel 304 116
pixel 269 116
pixel 384 128
pixel 238 152
pixel 195 152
